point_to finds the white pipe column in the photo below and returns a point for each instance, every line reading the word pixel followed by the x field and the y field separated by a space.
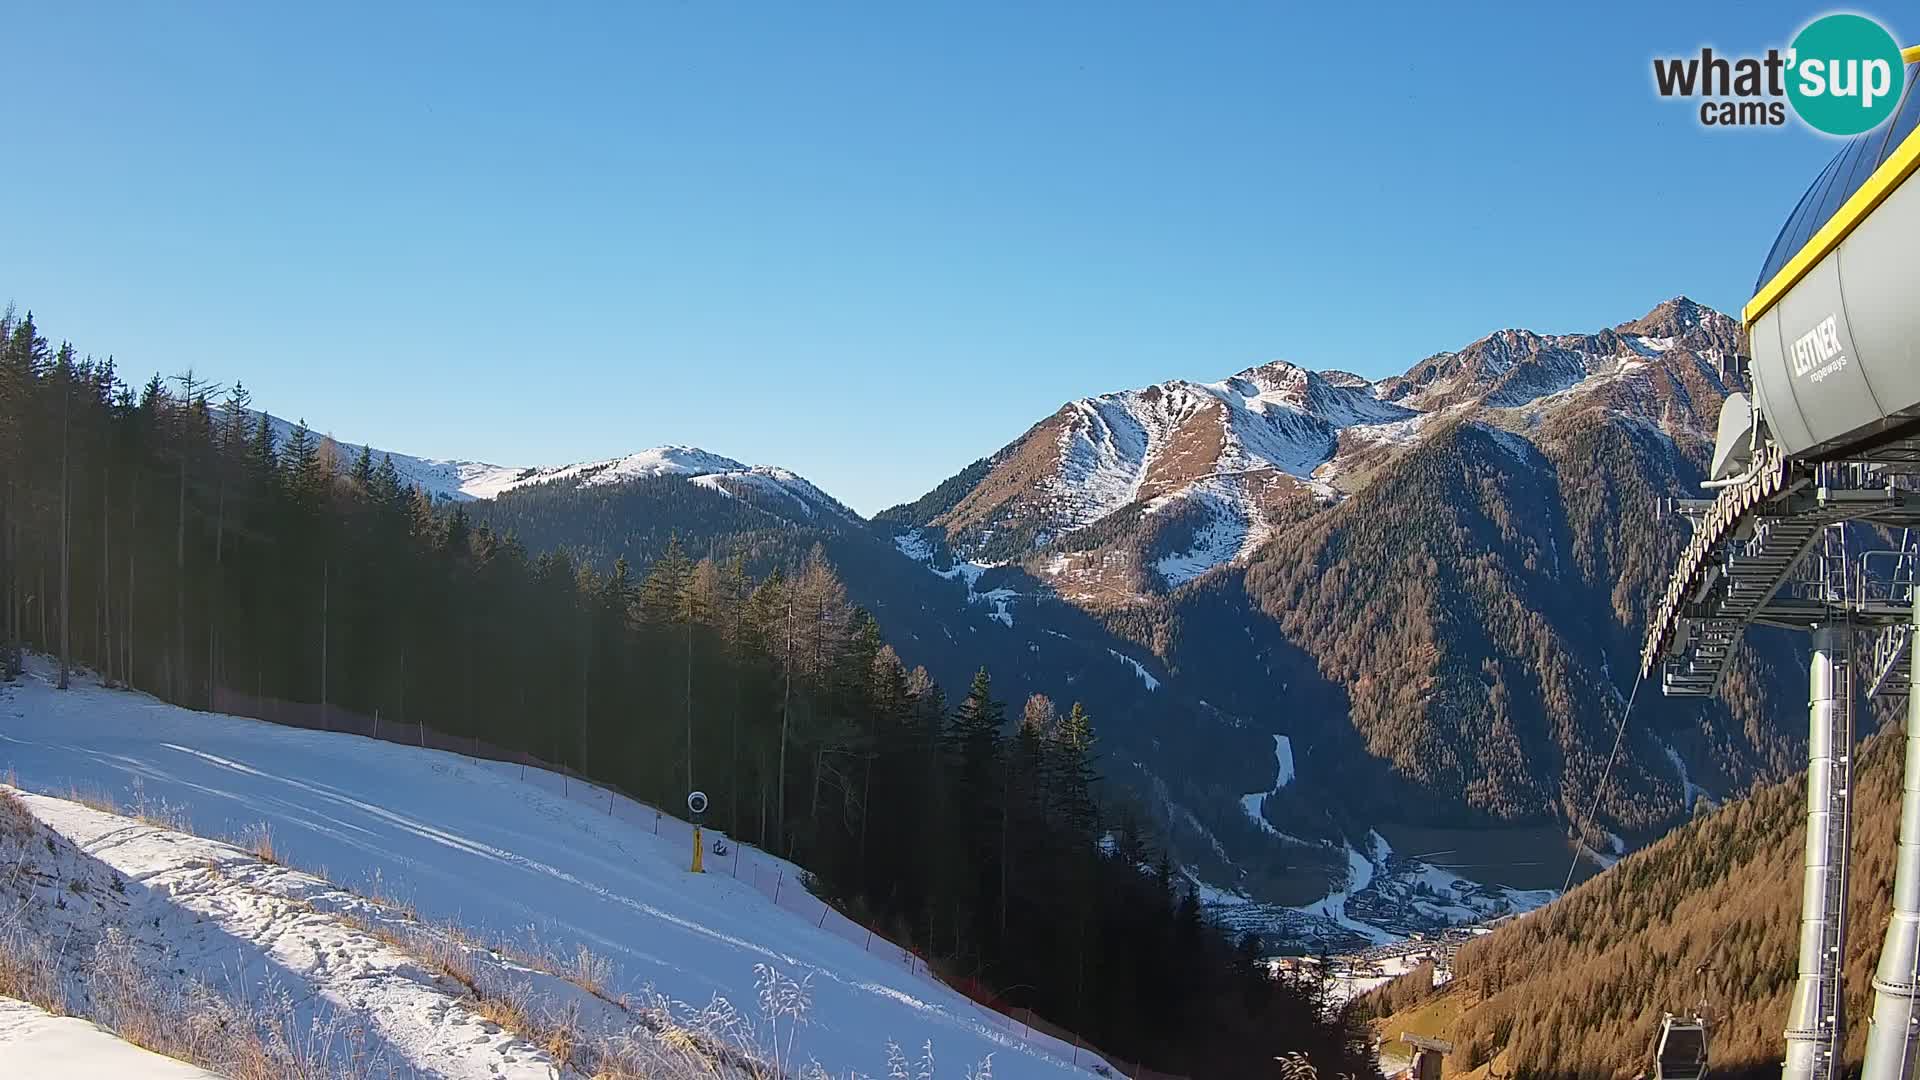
pixel 1815 1020
pixel 1894 1038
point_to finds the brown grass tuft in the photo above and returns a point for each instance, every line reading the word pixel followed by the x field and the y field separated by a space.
pixel 258 839
pixel 92 799
pixel 509 1008
pixel 28 972
pixel 15 819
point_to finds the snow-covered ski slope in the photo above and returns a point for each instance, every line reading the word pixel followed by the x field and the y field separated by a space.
pixel 112 910
pixel 46 1045
pixel 478 844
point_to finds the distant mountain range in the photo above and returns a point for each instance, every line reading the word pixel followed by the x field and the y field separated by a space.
pixel 1385 609
pixel 1203 473
pixel 468 481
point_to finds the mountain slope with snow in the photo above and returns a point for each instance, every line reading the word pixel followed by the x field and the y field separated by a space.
pixel 470 481
pixel 1433 575
pixel 1198 475
pixel 512 855
pixel 1423 583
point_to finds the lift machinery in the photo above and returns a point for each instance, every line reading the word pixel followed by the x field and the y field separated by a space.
pixel 1828 444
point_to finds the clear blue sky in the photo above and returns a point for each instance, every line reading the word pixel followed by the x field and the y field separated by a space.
pixel 868 242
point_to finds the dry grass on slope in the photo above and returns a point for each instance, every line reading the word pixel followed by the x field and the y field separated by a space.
pixel 1710 912
pixel 553 998
pixel 195 1023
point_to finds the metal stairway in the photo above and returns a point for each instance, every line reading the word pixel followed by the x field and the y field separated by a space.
pixel 1746 563
pixel 1887 581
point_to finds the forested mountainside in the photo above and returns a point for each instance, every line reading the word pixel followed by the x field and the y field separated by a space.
pixel 1301 605
pixel 174 544
pixel 1171 757
pixel 1432 587
pixel 1711 913
pixel 1445 572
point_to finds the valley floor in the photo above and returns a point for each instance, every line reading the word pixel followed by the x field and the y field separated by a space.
pixel 525 857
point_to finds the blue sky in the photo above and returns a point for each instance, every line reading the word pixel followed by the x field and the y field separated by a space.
pixel 867 242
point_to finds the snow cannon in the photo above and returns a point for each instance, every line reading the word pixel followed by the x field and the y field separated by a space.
pixel 1834 323
pixel 697 807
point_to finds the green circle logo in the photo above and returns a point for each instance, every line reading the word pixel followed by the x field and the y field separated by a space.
pixel 1845 74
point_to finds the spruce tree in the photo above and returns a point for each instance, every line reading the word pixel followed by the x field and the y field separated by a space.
pixel 363 469
pixel 663 593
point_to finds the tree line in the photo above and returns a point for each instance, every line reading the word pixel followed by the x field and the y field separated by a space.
pixel 171 539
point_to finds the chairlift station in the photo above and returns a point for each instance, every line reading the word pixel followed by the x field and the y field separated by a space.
pixel 1814 525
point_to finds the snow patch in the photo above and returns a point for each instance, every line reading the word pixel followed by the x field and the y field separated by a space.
pixel 658 461
pixel 1138 669
pixel 1252 804
pixel 1692 791
pixel 919 548
pixel 1521 450
pixel 914 546
pixel 1283 757
pixel 1274 418
pixel 1616 848
pixel 1002 602
pixel 1213 545
pixel 181 910
pixel 1334 905
pixel 37 1043
pixel 1213 896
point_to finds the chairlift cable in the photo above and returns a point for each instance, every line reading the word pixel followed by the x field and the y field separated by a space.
pixel 1579 839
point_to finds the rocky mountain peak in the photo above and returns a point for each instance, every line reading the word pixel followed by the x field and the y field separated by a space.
pixel 1346 380
pixel 1281 378
pixel 1673 319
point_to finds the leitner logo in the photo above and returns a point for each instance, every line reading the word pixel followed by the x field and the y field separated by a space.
pixel 1819 347
pixel 1842 76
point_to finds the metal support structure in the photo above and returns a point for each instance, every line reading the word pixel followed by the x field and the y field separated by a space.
pixel 1816 1021
pixel 1812 451
pixel 1893 1041
pixel 1887 581
pixel 1775 550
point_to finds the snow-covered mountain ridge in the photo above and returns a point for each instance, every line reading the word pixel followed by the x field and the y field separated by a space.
pixel 1202 471
pixel 456 480
pixel 1059 562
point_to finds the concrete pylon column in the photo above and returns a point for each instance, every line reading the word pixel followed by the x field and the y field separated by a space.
pixel 1894 1038
pixel 1815 1021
